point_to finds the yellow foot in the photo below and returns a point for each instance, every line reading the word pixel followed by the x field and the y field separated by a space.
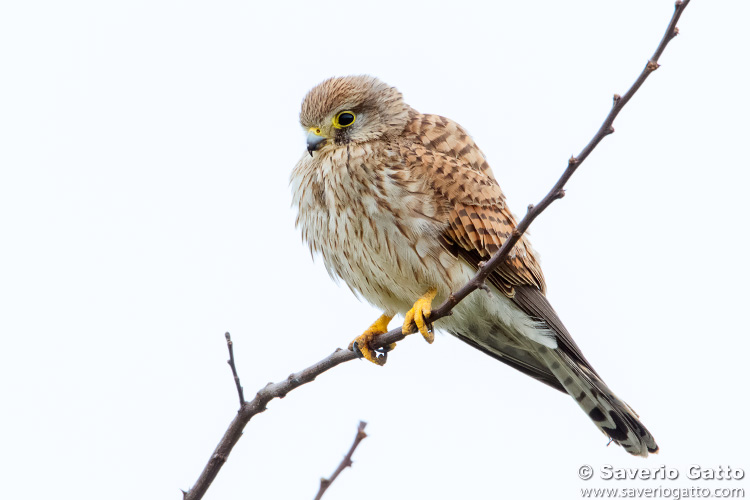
pixel 363 341
pixel 418 314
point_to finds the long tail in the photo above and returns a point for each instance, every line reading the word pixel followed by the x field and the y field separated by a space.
pixel 612 415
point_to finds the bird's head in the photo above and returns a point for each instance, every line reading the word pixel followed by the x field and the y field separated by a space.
pixel 348 109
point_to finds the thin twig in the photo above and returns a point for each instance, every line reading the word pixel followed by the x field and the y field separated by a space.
pixel 346 462
pixel 281 389
pixel 230 346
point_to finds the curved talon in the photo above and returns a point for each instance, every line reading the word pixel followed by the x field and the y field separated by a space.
pixel 362 343
pixel 387 349
pixel 354 347
pixel 419 315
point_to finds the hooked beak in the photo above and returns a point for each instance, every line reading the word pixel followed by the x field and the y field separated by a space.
pixel 315 139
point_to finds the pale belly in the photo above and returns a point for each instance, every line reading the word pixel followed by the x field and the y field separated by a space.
pixel 380 243
pixel 391 272
pixel 376 260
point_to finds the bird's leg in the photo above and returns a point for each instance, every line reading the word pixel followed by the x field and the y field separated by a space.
pixel 418 314
pixel 362 343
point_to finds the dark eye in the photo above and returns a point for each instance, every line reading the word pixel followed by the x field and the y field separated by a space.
pixel 344 119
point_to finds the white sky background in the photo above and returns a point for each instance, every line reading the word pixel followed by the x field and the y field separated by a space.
pixel 145 151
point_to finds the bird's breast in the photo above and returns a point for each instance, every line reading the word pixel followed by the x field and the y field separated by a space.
pixel 375 224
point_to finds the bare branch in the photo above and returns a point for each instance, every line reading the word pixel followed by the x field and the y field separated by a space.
pixel 280 389
pixel 557 190
pixel 230 346
pixel 346 462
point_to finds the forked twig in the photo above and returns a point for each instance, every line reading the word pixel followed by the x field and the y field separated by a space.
pixel 346 462
pixel 280 389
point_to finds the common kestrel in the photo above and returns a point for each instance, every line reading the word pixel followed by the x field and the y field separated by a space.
pixel 402 207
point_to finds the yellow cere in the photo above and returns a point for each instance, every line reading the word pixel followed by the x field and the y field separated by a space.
pixel 315 131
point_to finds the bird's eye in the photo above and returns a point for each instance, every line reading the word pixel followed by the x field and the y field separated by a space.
pixel 344 119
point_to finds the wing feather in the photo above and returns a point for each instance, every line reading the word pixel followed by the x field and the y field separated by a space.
pixel 479 221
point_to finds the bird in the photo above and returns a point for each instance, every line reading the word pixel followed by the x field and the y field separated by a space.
pixel 404 208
